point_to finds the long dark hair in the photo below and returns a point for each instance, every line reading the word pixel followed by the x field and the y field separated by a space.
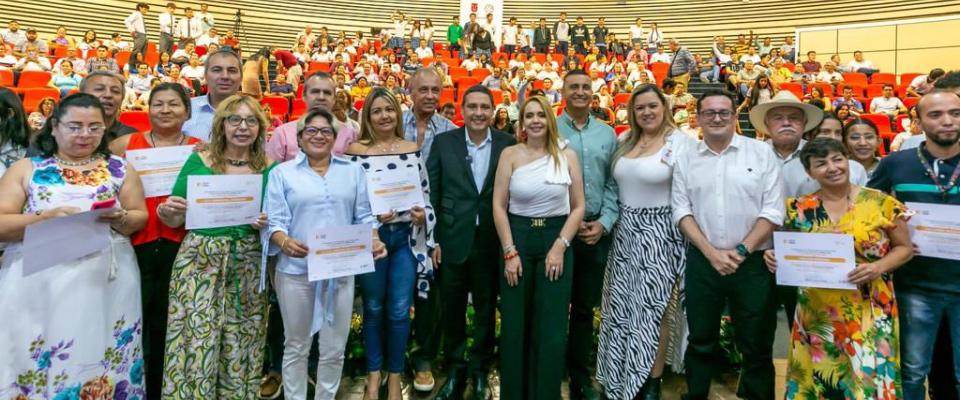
pixel 755 90
pixel 13 120
pixel 47 144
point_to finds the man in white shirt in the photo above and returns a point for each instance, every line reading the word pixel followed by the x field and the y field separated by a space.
pixel 727 198
pixel 79 64
pixel 193 70
pixel 306 37
pixel 135 25
pixel 423 51
pixel 7 61
pixel 137 85
pixel 887 104
pixel 13 35
pixel 922 84
pixel 33 60
pixel 548 73
pixel 168 24
pixel 830 74
pixel 636 33
pixel 188 28
pixel 788 51
pixel 510 36
pixel 561 31
pixel 750 56
pixel 660 56
pixel 859 64
pixel 490 26
pixel 182 55
pixel 399 31
pixel 210 38
pixel 30 39
pixel 207 21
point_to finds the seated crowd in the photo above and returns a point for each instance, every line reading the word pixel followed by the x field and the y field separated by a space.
pixel 561 169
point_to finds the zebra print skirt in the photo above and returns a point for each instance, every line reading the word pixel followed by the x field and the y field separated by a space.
pixel 644 276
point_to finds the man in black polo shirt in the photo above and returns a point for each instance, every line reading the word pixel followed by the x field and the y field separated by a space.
pixel 927 288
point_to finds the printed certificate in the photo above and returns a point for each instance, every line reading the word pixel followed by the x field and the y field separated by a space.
pixel 340 251
pixel 159 167
pixel 394 189
pixel 73 237
pixel 215 201
pixel 819 260
pixel 935 229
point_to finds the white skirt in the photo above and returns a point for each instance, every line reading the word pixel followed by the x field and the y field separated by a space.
pixel 72 330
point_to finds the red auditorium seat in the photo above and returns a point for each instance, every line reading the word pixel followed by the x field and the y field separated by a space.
pixel 883 77
pixel 875 90
pixel 910 102
pixel 898 125
pixel 33 95
pixel 621 98
pixel 464 82
pixel 620 129
pixel 6 77
pixel 866 103
pixel 907 77
pixel 139 120
pixel 458 71
pixel 33 79
pixel 882 123
pixel 540 57
pixel 826 88
pixel 497 96
pixel 299 108
pixel 122 57
pixel 793 87
pixel 279 106
pixel 480 73
pixel 447 95
pixel 855 78
pixel 858 90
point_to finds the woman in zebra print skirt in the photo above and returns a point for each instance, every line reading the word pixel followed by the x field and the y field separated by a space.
pixel 646 261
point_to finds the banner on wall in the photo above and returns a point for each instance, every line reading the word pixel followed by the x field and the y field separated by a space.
pixel 482 8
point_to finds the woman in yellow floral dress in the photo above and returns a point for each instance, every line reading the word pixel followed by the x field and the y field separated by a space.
pixel 845 343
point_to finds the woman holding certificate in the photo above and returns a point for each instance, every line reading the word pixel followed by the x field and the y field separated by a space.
pixel 314 191
pixel 217 317
pixel 408 234
pixel 538 204
pixel 71 321
pixel 845 343
pixel 156 244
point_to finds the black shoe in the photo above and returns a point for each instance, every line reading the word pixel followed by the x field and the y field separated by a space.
pixel 652 389
pixel 584 392
pixel 454 387
pixel 481 388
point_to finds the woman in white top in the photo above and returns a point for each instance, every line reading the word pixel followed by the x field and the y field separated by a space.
pixel 538 204
pixel 427 32
pixel 636 32
pixel 643 283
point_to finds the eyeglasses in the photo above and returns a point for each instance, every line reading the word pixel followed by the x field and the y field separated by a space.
pixel 311 132
pixel 711 114
pixel 77 129
pixel 236 120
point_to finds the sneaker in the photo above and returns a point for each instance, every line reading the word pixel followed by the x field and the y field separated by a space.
pixel 271 386
pixel 423 381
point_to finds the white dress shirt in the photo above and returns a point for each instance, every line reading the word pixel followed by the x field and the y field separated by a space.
pixel 728 192
pixel 189 27
pixel 660 57
pixel 636 32
pixel 134 22
pixel 206 20
pixel 167 23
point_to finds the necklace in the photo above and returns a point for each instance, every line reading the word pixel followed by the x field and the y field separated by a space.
pixel 392 147
pixel 944 190
pixel 236 163
pixel 66 163
pixel 153 139
pixel 643 144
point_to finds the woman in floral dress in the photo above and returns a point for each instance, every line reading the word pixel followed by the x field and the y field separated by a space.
pixel 845 343
pixel 71 330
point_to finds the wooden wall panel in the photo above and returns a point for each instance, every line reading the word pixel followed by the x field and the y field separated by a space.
pixel 869 39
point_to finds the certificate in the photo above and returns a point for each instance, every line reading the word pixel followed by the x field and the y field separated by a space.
pixel 340 251
pixel 818 260
pixel 215 201
pixel 935 229
pixel 394 189
pixel 64 239
pixel 159 167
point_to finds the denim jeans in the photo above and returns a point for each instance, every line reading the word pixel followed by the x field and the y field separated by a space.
pixel 387 296
pixel 920 315
pixel 415 43
pixel 395 43
pixel 711 75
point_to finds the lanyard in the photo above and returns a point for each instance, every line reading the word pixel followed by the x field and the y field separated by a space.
pixel 944 190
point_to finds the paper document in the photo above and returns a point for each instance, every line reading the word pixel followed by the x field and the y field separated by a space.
pixel 819 260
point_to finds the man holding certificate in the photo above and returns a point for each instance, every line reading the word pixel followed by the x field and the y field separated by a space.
pixel 928 289
pixel 315 195
pixel 468 237
pixel 834 325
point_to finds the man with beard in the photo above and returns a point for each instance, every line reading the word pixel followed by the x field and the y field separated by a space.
pixel 467 234
pixel 421 123
pixel 318 92
pixel 222 73
pixel 594 142
pixel 108 87
pixel 928 288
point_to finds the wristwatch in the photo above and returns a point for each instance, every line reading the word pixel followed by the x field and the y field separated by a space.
pixel 742 250
pixel 566 243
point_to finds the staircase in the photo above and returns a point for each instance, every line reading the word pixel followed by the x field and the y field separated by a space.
pixel 697 88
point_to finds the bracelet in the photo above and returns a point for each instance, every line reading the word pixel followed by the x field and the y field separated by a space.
pixel 508 248
pixel 283 244
pixel 510 256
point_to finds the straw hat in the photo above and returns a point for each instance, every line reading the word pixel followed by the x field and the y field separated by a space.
pixel 785 98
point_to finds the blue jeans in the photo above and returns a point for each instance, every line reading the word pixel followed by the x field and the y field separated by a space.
pixel 395 43
pixel 415 43
pixel 711 75
pixel 387 296
pixel 920 315
pixel 562 46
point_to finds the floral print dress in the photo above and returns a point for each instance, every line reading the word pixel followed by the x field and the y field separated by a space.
pixel 845 343
pixel 72 331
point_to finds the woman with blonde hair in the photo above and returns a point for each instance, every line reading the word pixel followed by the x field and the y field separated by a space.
pixel 217 315
pixel 407 270
pixel 647 252
pixel 538 204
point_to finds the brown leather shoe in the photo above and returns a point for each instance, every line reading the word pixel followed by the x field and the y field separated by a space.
pixel 423 381
pixel 271 386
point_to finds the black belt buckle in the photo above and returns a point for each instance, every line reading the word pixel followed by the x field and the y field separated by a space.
pixel 538 222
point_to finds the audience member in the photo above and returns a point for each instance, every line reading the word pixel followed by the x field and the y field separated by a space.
pixel 923 84
pixel 222 75
pixel 138 31
pixel 109 89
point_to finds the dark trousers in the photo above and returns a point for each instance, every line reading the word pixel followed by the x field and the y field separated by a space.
pixel 590 262
pixel 156 263
pixel 427 332
pixel 581 48
pixel 139 47
pixel 509 48
pixel 562 47
pixel 166 43
pixel 542 48
pixel 787 297
pixel 477 275
pixel 454 47
pixel 941 383
pixel 534 315
pixel 749 292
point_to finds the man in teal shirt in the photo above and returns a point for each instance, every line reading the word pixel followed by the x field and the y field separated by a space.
pixel 594 142
pixel 454 33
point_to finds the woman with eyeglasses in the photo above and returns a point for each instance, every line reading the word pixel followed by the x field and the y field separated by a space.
pixel 315 190
pixel 71 329
pixel 216 324
pixel 408 269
